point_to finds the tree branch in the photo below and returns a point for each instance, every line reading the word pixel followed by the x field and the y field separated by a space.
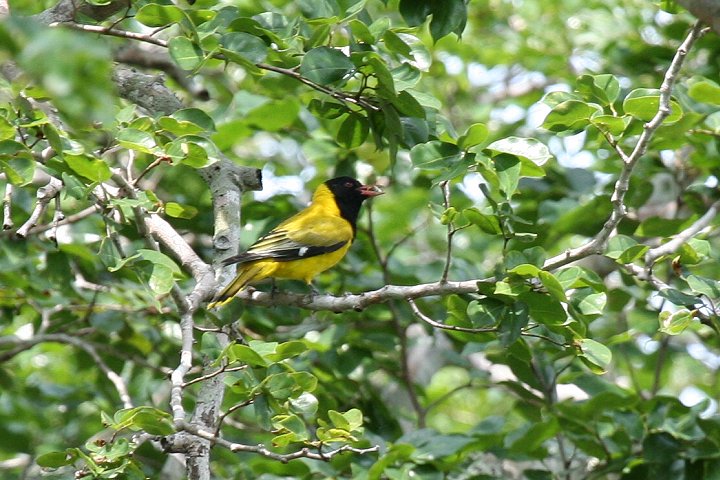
pixel 599 241
pixel 359 301
pixel 678 240
pixel 44 195
pixel 420 315
pixel 262 450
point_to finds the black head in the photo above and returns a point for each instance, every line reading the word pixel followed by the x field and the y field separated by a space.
pixel 349 195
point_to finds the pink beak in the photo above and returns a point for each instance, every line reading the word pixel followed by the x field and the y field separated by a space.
pixel 370 190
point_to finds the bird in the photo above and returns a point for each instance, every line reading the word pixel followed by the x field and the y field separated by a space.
pixel 306 244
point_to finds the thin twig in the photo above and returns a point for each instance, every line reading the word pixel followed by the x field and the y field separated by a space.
pixel 113 32
pixel 420 315
pixel 215 373
pixel 336 94
pixel 445 186
pixel 262 450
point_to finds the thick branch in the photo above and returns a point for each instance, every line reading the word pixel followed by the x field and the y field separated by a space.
pixel 146 91
pixel 362 300
pixel 66 11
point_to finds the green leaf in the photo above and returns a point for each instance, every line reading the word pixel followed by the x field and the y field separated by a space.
pixel 361 32
pixel 475 135
pixel 661 448
pixel 354 419
pixel 243 48
pixel 525 270
pixel 604 88
pixel 553 286
pixel 291 423
pixel 396 45
pixel 153 421
pixel 187 121
pixel 138 140
pixel 414 12
pixel 591 304
pixel 407 105
pixel 704 90
pixel 487 223
pixel 186 150
pixel 449 16
pixel 353 131
pixel 435 154
pixel 7 131
pixel 56 459
pixel 16 162
pixel 595 352
pixel 704 286
pixel 94 169
pixel 245 354
pixel 643 103
pixel 609 123
pixel 534 435
pixel 674 323
pixel 338 420
pixel 508 171
pixel 544 308
pixel 624 249
pixel 532 153
pixel 406 76
pixel 571 116
pixel 177 210
pixel 187 54
pixel 325 65
pixel 154 15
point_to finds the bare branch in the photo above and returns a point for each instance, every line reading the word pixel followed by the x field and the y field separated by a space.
pixel 66 10
pixel 359 301
pixel 678 240
pixel 146 91
pixel 177 378
pixel 44 196
pixel 7 207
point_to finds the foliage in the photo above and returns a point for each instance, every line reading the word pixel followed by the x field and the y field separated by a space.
pixel 548 231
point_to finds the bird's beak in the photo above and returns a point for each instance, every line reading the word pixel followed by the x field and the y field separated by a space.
pixel 370 190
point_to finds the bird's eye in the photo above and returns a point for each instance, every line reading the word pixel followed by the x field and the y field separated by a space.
pixel 349 185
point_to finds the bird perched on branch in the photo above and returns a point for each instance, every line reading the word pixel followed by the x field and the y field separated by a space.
pixel 305 244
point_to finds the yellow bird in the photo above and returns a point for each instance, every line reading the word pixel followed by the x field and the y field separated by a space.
pixel 306 244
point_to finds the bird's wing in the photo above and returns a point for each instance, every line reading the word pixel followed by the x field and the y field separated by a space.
pixel 303 236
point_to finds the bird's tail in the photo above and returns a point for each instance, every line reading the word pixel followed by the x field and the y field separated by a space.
pixel 246 275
